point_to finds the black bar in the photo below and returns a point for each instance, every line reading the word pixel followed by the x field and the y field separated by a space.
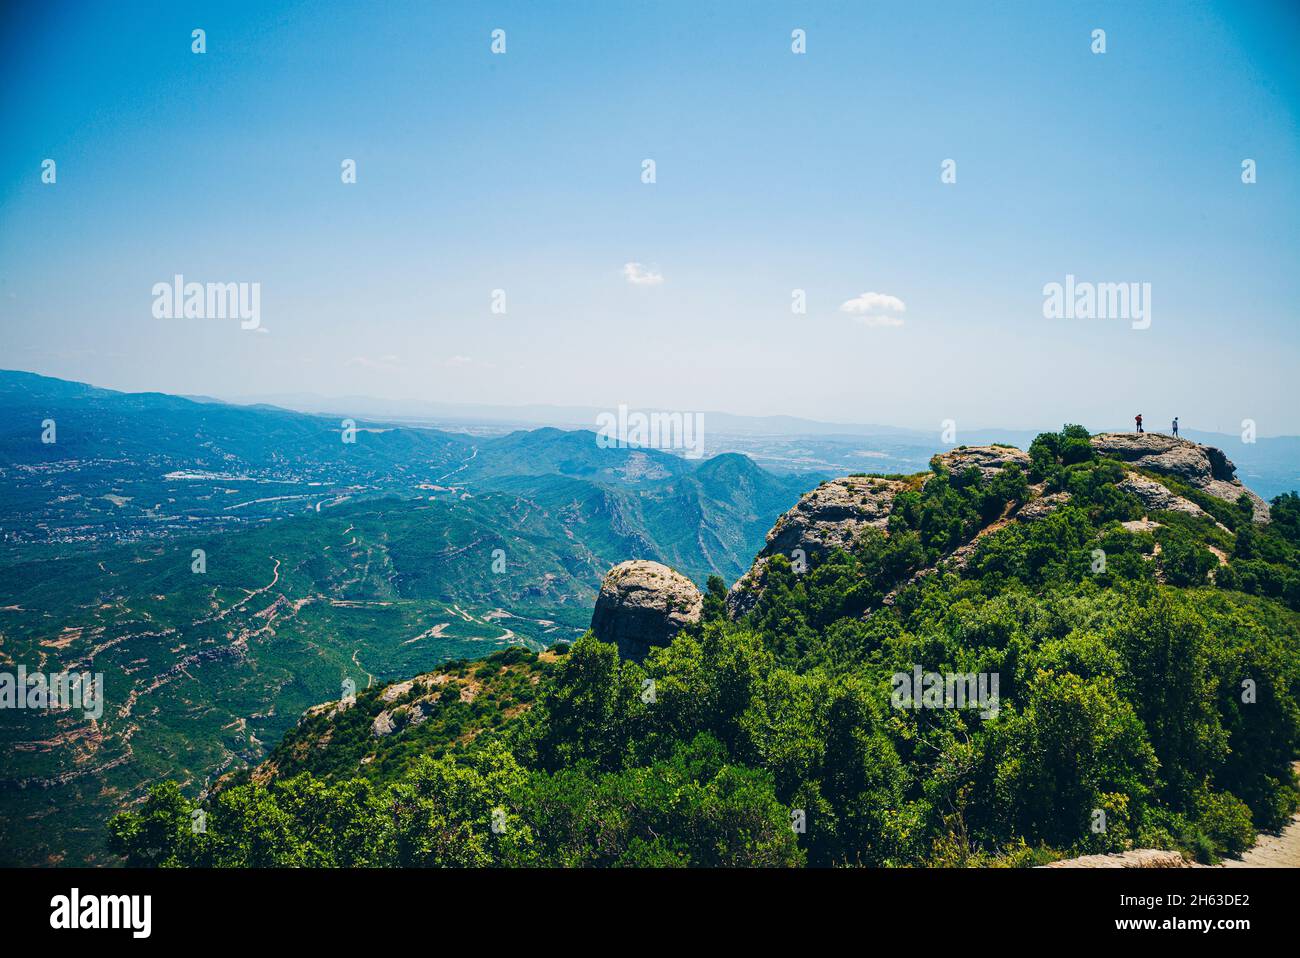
pixel 335 907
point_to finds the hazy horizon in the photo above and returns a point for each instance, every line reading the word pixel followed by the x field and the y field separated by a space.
pixel 317 403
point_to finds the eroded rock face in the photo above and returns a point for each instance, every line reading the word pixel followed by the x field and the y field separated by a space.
pixel 1180 458
pixel 405 716
pixel 383 724
pixel 830 517
pixel 1042 507
pixel 833 514
pixel 989 460
pixel 1156 497
pixel 1202 467
pixel 643 604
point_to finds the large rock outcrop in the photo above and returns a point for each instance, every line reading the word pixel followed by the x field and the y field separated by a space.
pixel 643 604
pixel 1201 467
pixel 1156 497
pixel 989 460
pixel 830 517
pixel 835 514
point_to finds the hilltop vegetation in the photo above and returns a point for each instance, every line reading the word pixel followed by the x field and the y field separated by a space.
pixel 1149 667
pixel 382 730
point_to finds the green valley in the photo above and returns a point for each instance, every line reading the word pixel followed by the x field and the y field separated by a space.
pixel 213 638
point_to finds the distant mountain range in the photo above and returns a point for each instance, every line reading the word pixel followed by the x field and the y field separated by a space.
pixel 584 417
pixel 1269 465
pixel 135 466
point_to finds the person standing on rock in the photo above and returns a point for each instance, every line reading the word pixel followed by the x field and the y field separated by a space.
pixel 1138 421
pixel 1175 427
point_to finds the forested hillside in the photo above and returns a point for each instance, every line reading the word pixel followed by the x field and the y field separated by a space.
pixel 1133 609
pixel 224 568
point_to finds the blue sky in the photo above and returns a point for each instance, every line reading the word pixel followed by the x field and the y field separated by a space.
pixel 775 172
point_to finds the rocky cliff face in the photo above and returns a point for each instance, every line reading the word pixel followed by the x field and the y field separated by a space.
pixel 643 604
pixel 830 517
pixel 989 460
pixel 1154 496
pixel 1201 467
pixel 834 514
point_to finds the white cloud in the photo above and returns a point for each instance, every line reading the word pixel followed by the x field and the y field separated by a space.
pixel 639 275
pixel 873 303
pixel 875 309
pixel 457 361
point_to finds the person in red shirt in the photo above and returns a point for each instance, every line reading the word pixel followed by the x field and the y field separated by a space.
pixel 1138 419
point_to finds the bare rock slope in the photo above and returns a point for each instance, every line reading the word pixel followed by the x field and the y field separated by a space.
pixel 989 460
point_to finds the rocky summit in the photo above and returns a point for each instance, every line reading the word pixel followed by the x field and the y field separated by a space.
pixel 989 460
pixel 833 515
pixel 1201 467
pixel 643 604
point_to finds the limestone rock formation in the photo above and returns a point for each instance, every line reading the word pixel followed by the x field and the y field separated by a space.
pixel 830 517
pixel 1042 507
pixel 1154 496
pixel 1136 858
pixel 402 717
pixel 1201 467
pixel 835 514
pixel 989 460
pixel 383 724
pixel 643 604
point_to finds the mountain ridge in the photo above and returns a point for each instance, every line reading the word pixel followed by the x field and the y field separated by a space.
pixel 1168 577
